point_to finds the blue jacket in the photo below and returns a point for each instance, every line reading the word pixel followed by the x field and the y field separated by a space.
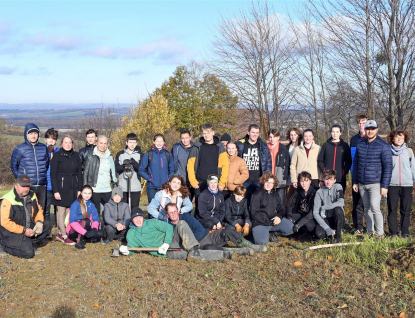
pixel 264 154
pixel 76 212
pixel 32 160
pixel 49 183
pixel 353 144
pixel 372 163
pixel 159 171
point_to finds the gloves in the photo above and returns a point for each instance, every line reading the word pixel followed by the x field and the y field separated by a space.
pixel 238 227
pixel 246 229
pixel 38 229
pixel 296 227
pixel 124 250
pixel 163 217
pixel 330 232
pixel 163 249
pixel 91 234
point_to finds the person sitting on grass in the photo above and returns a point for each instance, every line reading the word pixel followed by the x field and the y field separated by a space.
pixel 328 208
pixel 175 190
pixel 211 205
pixel 83 220
pixel 116 217
pixel 148 233
pixel 300 205
pixel 236 211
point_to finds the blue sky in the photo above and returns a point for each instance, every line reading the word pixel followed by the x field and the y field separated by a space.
pixel 102 51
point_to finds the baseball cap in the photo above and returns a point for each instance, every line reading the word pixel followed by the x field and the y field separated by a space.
pixel 23 180
pixel 371 124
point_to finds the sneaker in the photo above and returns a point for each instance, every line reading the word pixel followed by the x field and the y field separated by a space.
pixel 106 241
pixel 60 238
pixel 358 232
pixel 405 236
pixel 68 241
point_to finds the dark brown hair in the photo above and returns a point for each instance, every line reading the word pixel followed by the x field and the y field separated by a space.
pixel 329 173
pixel 184 190
pixel 266 176
pixel 361 116
pixel 395 133
pixel 240 190
pixel 82 202
pixel 304 175
pixel 297 131
pixel 274 131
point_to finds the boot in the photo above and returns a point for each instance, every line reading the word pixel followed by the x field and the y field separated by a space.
pixel 240 250
pixel 257 248
pixel 230 254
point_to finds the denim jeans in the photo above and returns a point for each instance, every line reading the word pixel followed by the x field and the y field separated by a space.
pixel 250 187
pixel 371 197
pixel 261 232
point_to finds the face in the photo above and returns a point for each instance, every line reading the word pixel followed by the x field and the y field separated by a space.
pixel 175 184
pixel 102 144
pixel 32 137
pixel 91 139
pixel 398 140
pixel 371 132
pixel 67 143
pixel 293 136
pixel 173 214
pixel 131 144
pixel 273 139
pixel 269 184
pixel 305 183
pixel 116 198
pixel 50 141
pixel 159 142
pixel 213 185
pixel 335 133
pixel 328 182
pixel 22 191
pixel 138 221
pixel 308 137
pixel 231 149
pixel 253 134
pixel 185 139
pixel 86 194
pixel 238 198
pixel 224 143
pixel 361 123
pixel 208 134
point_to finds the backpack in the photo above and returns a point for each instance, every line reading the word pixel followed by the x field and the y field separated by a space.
pixel 150 157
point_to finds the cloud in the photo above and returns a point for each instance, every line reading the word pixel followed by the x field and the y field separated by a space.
pixel 6 70
pixel 57 42
pixel 135 73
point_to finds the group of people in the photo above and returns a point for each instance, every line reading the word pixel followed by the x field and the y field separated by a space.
pixel 247 192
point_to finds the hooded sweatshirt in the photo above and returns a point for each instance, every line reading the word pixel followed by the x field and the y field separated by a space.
pixel 325 201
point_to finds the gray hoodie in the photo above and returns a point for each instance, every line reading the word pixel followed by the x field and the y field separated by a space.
pixel 117 213
pixel 403 173
pixel 325 201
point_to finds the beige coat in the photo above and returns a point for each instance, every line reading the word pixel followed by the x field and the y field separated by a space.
pixel 238 172
pixel 300 162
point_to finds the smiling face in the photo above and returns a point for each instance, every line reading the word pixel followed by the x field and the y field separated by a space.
pixel 138 221
pixel 253 135
pixel 67 143
pixel 293 136
pixel 269 184
pixel 91 139
pixel 308 137
pixel 159 143
pixel 273 139
pixel 208 135
pixel 231 149
pixel 175 184
pixel 173 214
pixel 86 194
pixel 335 133
pixel 50 141
pixel 213 185
pixel 185 139
pixel 371 133
pixel 399 140
pixel 102 144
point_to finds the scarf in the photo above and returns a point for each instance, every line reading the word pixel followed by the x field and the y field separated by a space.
pixel 398 151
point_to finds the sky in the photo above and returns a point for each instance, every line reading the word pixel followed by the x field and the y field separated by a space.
pixel 103 51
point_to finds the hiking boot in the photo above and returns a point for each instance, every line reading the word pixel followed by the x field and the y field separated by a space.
pixel 240 250
pixel 106 241
pixel 60 238
pixel 194 251
pixel 358 232
pixel 336 240
pixel 68 241
pixel 257 248
pixel 274 238
pixel 230 254
pixel 81 244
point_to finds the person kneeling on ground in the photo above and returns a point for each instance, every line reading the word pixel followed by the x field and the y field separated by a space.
pixel 236 211
pixel 300 205
pixel 328 208
pixel 117 217
pixel 267 212
pixel 211 240
pixel 211 205
pixel 21 220
pixel 83 220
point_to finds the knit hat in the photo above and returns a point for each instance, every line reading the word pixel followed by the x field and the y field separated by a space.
pixel 225 137
pixel 212 177
pixel 136 212
pixel 117 190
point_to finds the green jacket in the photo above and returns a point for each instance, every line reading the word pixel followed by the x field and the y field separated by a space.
pixel 153 233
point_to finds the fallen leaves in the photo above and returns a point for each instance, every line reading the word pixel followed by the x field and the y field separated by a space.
pixel 96 305
pixel 298 263
pixel 342 306
pixel 329 257
pixel 402 315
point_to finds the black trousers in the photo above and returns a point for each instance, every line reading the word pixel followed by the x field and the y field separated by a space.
pixel 358 211
pixel 336 222
pixel 86 224
pixel 135 199
pixel 221 237
pixel 404 196
pixel 112 233
pixel 40 191
pixel 98 198
pixel 202 187
pixel 309 226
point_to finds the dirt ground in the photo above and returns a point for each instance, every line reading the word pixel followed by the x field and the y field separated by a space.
pixel 65 282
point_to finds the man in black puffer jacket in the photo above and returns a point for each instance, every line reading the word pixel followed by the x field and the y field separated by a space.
pixel 91 140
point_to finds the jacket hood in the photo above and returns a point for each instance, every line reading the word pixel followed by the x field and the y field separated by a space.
pixel 313 144
pixel 330 141
pixel 136 149
pixel 181 144
pixel 154 149
pixel 27 128
pixel 215 140
pixel 105 156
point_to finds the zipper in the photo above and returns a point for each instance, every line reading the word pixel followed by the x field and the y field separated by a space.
pixel 62 181
pixel 37 168
pixel 399 170
pixel 334 159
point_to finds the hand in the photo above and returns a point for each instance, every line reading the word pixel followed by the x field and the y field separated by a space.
pixel 330 232
pixel 221 188
pixel 277 220
pixel 355 188
pixel 29 232
pixel 296 228
pixel 124 250
pixel 119 227
pixel 246 229
pixel 196 186
pixel 58 196
pixel 383 191
pixel 295 184
pixel 38 229
pixel 163 249
pixel 238 227
pixel 218 226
